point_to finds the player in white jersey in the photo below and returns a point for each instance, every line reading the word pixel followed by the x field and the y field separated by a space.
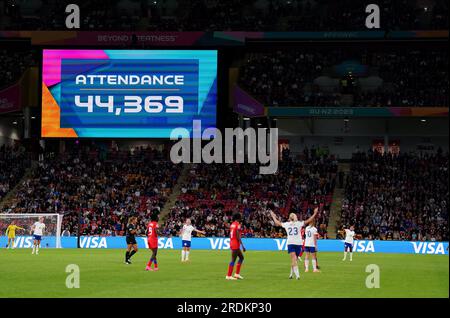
pixel 186 238
pixel 38 230
pixel 294 237
pixel 348 242
pixel 311 246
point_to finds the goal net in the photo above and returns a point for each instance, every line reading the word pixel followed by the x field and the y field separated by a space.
pixel 24 237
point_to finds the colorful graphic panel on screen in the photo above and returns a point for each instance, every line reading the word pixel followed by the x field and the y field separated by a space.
pixel 127 93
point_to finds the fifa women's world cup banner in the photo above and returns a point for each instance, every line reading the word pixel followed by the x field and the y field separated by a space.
pixel 127 93
pixel 252 244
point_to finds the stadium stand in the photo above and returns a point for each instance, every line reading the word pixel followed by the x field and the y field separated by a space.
pixel 119 185
pixel 401 197
pixel 215 15
pixel 14 161
pixel 387 197
pixel 13 65
pixel 106 187
pixel 400 77
pixel 210 200
pixel 407 206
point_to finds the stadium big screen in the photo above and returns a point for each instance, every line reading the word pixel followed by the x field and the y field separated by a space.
pixel 127 93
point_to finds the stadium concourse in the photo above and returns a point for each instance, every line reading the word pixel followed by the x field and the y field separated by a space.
pixel 388 197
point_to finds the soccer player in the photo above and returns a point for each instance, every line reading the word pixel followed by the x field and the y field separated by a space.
pixel 11 233
pixel 132 247
pixel 310 246
pixel 152 238
pixel 235 246
pixel 38 230
pixel 348 243
pixel 186 238
pixel 294 238
pixel 302 233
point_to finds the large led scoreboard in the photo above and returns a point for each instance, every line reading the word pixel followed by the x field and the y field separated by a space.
pixel 127 93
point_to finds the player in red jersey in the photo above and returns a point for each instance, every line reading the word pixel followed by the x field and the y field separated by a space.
pixel 152 238
pixel 235 246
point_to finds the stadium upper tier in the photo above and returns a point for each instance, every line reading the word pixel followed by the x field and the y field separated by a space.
pixel 14 64
pixel 393 77
pixel 13 163
pixel 340 77
pixel 236 15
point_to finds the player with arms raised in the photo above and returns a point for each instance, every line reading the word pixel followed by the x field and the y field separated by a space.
pixel 37 229
pixel 294 238
pixel 11 233
pixel 235 246
pixel 186 238
pixel 152 238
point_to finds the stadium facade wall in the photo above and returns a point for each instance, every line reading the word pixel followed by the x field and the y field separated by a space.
pixel 344 147
pixel 363 127
pixel 256 244
pixel 8 131
pixel 343 139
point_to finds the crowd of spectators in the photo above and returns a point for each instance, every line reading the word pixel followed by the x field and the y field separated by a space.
pixel 403 197
pixel 280 78
pixel 14 161
pixel 216 15
pixel 212 193
pixel 14 64
pixel 416 77
pixel 105 187
pixel 102 188
pixel 387 197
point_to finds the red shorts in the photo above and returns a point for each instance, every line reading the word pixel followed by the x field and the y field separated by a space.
pixel 152 243
pixel 235 246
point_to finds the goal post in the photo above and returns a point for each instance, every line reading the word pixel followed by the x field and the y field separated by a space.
pixel 52 232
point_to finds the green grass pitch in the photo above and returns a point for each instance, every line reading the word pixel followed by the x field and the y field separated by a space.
pixel 103 274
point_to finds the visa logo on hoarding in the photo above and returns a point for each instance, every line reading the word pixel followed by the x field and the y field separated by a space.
pixel 162 242
pixel 359 246
pixel 428 248
pixel 281 244
pixel 363 246
pixel 93 242
pixel 220 243
pixel 23 242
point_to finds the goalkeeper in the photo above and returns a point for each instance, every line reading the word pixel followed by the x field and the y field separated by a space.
pixel 11 233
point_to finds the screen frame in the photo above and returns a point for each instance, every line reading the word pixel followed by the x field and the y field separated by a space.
pixel 219 78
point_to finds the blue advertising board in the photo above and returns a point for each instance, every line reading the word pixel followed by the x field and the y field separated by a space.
pixel 255 244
